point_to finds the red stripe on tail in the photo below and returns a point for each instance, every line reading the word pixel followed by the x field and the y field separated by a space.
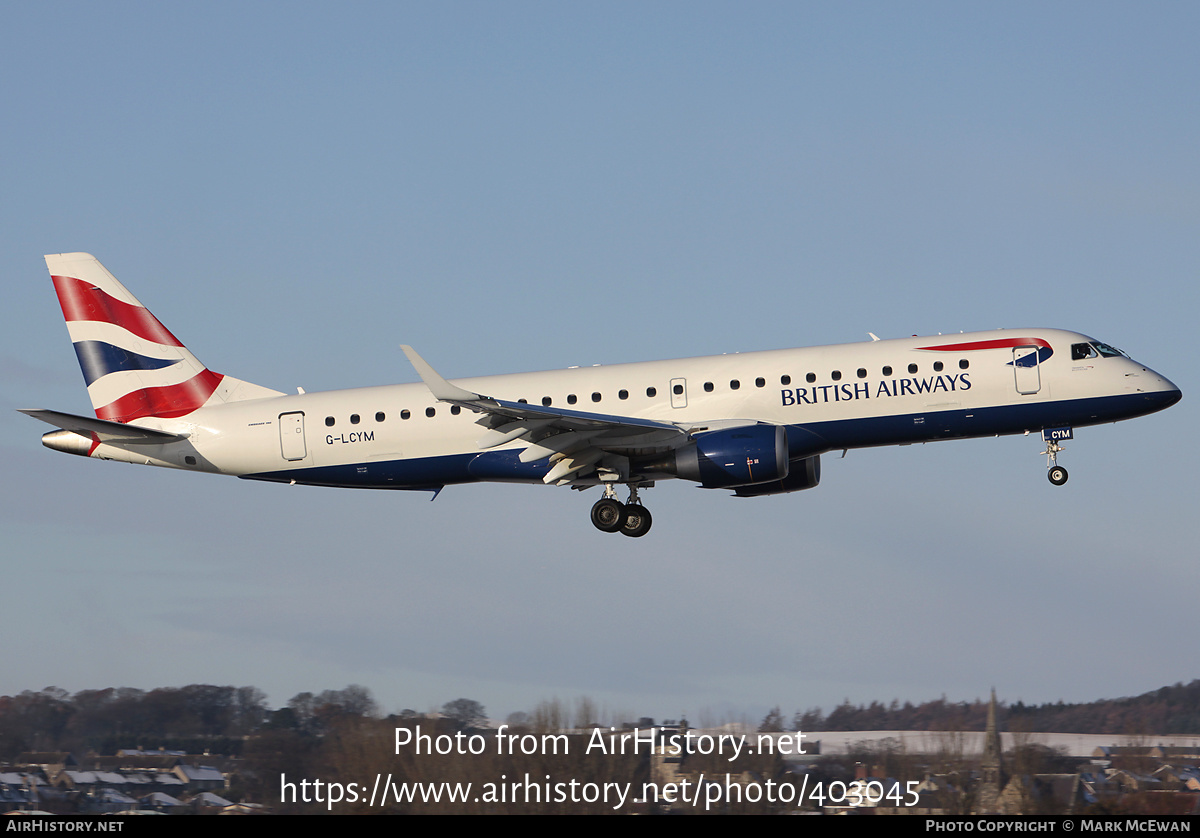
pixel 165 402
pixel 83 301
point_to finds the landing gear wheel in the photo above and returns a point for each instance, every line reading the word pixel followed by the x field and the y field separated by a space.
pixel 609 515
pixel 1057 475
pixel 637 521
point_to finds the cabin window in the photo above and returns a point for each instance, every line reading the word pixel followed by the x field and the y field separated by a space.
pixel 708 386
pixel 785 380
pixel 329 420
pixel 571 399
pixel 547 401
pixel 622 394
pixel 811 377
pixel 735 384
pixel 595 397
pixel 760 382
pixel 862 373
pixel 677 389
pixel 963 364
pixel 887 370
pixel 937 366
pixel 836 375
pixel 404 414
pixel 912 368
pixel 519 401
pixel 354 419
pixel 651 392
pixel 379 417
pixel 455 409
pixel 431 412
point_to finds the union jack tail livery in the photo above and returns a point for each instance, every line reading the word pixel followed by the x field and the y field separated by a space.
pixel 133 366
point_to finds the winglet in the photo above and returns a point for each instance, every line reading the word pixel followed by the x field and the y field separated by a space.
pixel 442 389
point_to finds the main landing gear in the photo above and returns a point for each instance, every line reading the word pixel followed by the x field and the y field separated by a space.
pixel 610 515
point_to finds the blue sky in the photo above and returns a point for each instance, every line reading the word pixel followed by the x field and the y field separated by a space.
pixel 296 190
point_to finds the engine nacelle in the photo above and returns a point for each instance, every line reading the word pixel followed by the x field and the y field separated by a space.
pixel 803 474
pixel 735 457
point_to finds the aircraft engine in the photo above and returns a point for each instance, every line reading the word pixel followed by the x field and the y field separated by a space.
pixel 735 457
pixel 803 474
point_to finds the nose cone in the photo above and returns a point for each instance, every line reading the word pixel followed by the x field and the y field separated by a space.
pixel 1162 393
pixel 1171 395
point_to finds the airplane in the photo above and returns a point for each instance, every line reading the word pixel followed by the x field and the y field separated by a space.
pixel 755 423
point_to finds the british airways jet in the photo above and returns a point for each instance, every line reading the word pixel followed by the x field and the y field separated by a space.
pixel 756 423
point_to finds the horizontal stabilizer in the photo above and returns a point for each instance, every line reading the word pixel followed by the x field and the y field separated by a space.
pixel 106 431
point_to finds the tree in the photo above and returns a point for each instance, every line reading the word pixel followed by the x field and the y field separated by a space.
pixel 772 722
pixel 464 712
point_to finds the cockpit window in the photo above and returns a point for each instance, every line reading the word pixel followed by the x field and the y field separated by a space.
pixel 1109 351
pixel 1082 351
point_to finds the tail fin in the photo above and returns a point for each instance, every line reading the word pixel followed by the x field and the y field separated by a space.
pixel 133 366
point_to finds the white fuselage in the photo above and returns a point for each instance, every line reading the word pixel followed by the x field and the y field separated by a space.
pixel 828 397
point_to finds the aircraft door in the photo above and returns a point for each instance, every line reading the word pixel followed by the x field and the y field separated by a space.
pixel 678 392
pixel 291 436
pixel 1027 373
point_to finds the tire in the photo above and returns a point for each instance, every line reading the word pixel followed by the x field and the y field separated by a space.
pixel 637 521
pixel 608 515
pixel 1057 475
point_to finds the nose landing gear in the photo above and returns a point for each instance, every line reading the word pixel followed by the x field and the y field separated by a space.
pixel 1057 475
pixel 1054 472
pixel 631 519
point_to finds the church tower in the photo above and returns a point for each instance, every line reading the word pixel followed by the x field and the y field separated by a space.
pixel 991 768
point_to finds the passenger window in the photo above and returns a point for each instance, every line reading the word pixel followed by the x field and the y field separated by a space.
pixel 836 375
pixel 862 373
pixel 595 397
pixel 519 401
pixel 353 418
pixel 455 409
pixel 887 370
pixel 547 401
pixel 735 384
pixel 430 412
pixel 785 380
pixel 811 377
pixel 912 368
pixel 651 392
pixel 937 366
pixel 571 399
pixel 622 394
pixel 379 417
pixel 404 414
pixel 760 382
pixel 963 364
pixel 329 420
pixel 708 386
pixel 677 389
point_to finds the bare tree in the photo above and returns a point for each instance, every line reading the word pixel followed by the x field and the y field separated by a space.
pixel 464 712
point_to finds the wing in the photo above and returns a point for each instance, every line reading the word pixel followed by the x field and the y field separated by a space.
pixel 576 442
